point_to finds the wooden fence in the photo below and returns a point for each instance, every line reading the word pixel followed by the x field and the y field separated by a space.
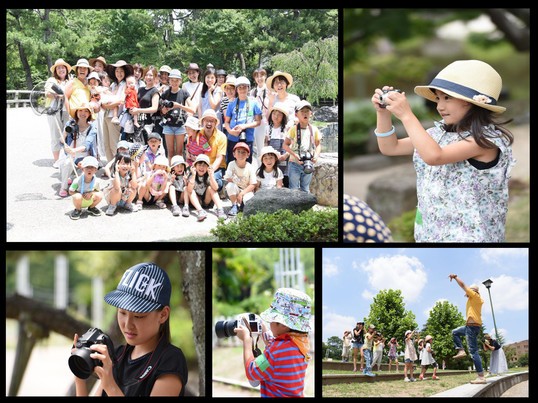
pixel 18 98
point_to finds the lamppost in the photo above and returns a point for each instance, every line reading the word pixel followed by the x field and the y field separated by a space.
pixel 488 283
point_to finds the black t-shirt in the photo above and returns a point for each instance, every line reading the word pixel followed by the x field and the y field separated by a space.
pixel 137 377
pixel 180 97
pixel 144 100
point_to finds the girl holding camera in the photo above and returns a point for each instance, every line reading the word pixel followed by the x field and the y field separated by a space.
pixel 463 162
pixel 148 364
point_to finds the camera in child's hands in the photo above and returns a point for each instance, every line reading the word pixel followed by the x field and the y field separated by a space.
pixel 383 97
pixel 80 362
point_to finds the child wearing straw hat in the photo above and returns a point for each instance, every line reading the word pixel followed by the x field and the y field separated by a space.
pixel 463 162
pixel 281 368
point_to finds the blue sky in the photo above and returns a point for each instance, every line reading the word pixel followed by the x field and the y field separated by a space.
pixel 353 276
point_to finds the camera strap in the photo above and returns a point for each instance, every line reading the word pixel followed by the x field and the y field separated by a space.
pixel 299 137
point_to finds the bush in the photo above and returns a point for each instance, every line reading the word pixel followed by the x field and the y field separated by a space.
pixel 403 227
pixel 282 226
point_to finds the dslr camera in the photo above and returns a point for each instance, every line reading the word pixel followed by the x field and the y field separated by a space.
pixel 308 165
pixel 173 117
pixel 166 103
pixel 225 328
pixel 383 97
pixel 80 362
pixel 71 127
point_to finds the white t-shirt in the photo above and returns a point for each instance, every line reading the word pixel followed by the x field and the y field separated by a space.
pixel 269 181
pixel 242 177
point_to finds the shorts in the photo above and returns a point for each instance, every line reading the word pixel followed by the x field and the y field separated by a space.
pixel 357 345
pixel 409 361
pixel 174 130
pixel 87 203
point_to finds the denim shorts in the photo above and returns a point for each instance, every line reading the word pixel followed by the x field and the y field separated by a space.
pixel 175 130
pixel 357 345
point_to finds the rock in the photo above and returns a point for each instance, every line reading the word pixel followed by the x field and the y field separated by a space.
pixel 272 200
pixel 392 195
pixel 324 183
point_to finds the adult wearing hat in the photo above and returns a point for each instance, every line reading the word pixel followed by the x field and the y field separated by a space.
pixel 77 91
pixel 217 141
pixel 221 77
pixel 98 64
pixel 174 112
pixel 118 72
pixel 164 73
pixel 278 85
pixel 243 115
pixel 193 86
pixel 463 163
pixel 471 329
pixel 261 95
pixel 80 141
pixel 54 91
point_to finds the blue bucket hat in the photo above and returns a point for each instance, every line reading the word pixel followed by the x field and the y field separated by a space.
pixel 291 308
pixel 145 287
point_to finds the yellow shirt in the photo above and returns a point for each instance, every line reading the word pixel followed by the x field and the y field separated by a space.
pixel 473 307
pixel 218 143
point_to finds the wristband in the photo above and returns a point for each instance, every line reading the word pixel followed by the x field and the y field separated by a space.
pixel 390 132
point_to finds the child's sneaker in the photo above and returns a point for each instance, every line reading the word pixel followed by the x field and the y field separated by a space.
pixel 111 209
pixel 129 207
pixel 115 121
pixel 234 210
pixel 175 210
pixel 160 204
pixel 94 211
pixel 406 379
pixel 75 214
pixel 412 379
pixel 202 215
pixel 185 211
pixel 221 215
pixel 139 204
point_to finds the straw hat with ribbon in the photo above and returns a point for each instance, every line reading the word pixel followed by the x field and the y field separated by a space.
pixel 473 81
pixel 83 63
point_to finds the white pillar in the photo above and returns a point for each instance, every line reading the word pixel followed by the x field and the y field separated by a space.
pixel 97 302
pixel 23 277
pixel 61 279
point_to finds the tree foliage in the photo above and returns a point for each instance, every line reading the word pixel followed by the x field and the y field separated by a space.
pixel 238 40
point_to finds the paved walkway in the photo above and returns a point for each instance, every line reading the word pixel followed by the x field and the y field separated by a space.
pixel 35 212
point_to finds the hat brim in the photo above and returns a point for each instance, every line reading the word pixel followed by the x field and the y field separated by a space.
pixel 53 67
pixel 269 81
pixel 129 302
pixel 96 59
pixel 272 315
pixel 426 91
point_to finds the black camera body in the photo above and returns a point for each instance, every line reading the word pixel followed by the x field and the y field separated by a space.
pixel 173 117
pixel 80 362
pixel 71 127
pixel 166 103
pixel 57 89
pixel 225 328
pixel 383 97
pixel 308 165
pixel 243 136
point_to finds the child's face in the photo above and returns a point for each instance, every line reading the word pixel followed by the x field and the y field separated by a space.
pixel 241 154
pixel 123 166
pixel 277 117
pixel 269 160
pixel 131 83
pixel 154 144
pixel 230 91
pixel 452 110
pixel 141 328
pixel 201 168
pixel 304 115
pixel 106 81
pixel 278 328
pixel 89 172
pixel 158 166
pixel 191 131
pixel 178 169
pixel 93 82
pixel 260 79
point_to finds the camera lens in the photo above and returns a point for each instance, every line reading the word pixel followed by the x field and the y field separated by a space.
pixel 225 328
pixel 81 364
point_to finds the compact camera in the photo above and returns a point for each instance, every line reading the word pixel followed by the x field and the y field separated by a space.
pixel 243 136
pixel 383 97
pixel 308 165
pixel 225 328
pixel 80 362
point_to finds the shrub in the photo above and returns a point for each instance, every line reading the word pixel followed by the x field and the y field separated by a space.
pixel 282 226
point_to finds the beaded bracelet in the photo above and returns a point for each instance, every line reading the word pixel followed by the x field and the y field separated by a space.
pixel 391 131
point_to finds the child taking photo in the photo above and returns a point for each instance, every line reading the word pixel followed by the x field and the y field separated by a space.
pixel 463 162
pixel 148 364
pixel 281 368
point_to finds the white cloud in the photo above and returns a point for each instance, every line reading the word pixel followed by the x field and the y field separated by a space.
pixel 334 324
pixel 396 272
pixel 427 310
pixel 330 268
pixel 507 294
pixel 499 256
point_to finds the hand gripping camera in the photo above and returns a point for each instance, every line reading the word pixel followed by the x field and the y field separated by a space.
pixel 308 165
pixel 383 97
pixel 80 362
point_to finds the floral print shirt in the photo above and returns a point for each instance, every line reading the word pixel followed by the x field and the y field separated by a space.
pixel 458 202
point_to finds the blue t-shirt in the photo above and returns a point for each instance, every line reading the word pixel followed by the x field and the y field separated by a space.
pixel 244 113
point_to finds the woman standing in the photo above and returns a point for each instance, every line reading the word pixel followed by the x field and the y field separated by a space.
pixel 60 70
pixel 278 85
pixel 148 99
pixel 117 72
pixel 77 91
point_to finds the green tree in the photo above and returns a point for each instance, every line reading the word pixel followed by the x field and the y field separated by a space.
pixel 334 348
pixel 442 319
pixel 388 314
